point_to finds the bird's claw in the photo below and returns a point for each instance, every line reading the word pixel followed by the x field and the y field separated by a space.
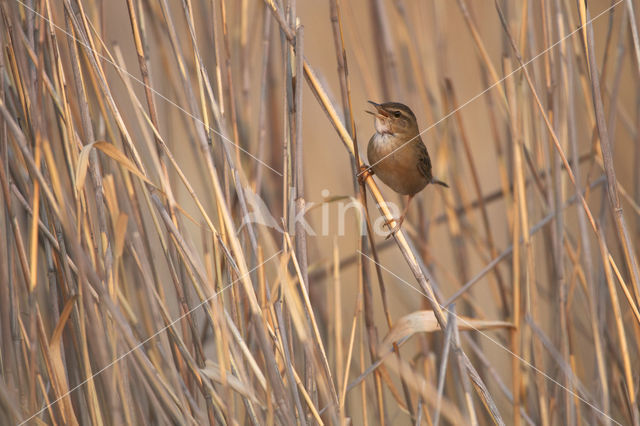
pixel 364 173
pixel 396 228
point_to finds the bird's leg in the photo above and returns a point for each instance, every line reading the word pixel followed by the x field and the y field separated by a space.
pixel 400 219
pixel 364 173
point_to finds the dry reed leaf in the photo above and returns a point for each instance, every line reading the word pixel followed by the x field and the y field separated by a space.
pixel 212 371
pixel 57 364
pixel 111 151
pixel 425 322
pixel 64 316
pixel 110 195
pixel 120 233
pixel 582 10
pixel 81 168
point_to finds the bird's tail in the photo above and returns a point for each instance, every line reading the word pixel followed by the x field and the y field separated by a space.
pixel 439 182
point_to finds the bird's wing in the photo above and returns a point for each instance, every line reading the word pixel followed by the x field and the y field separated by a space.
pixel 424 162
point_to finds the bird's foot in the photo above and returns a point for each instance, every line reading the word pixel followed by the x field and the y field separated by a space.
pixel 364 173
pixel 394 229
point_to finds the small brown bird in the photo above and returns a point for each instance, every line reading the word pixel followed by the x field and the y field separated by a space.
pixel 397 154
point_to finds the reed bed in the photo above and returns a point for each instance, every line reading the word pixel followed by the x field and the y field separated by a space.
pixel 186 239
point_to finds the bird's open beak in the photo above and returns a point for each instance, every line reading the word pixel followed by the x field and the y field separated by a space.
pixel 379 112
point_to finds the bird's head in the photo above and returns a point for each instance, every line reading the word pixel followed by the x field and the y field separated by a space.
pixel 394 118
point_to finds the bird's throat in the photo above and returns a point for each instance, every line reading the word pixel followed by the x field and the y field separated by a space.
pixel 382 126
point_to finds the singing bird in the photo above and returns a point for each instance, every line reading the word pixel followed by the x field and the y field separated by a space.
pixel 397 154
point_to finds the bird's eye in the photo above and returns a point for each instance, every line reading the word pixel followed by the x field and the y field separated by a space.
pixel 396 114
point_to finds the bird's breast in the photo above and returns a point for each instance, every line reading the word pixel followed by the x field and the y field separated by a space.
pixel 395 161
